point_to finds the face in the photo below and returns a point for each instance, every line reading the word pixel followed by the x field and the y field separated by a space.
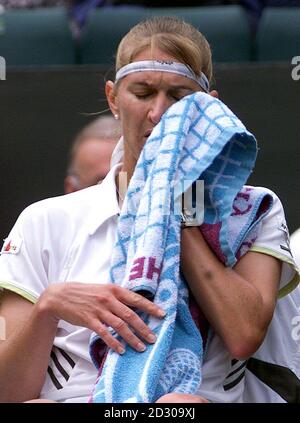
pixel 91 164
pixel 141 99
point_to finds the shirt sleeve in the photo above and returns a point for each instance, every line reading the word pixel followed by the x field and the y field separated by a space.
pixel 27 259
pixel 273 239
pixel 295 246
pixel 223 376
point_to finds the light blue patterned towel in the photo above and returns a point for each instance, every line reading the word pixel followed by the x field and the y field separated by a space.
pixel 197 138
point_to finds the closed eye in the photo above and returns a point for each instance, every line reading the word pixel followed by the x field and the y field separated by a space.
pixel 142 96
pixel 143 93
pixel 176 97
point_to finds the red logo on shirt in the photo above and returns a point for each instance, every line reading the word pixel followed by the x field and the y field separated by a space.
pixel 7 248
pixel 12 246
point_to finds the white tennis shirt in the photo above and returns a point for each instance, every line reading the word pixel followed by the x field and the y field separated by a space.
pixel 70 238
pixel 295 246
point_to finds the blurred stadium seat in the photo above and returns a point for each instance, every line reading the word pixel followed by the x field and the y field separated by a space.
pixel 103 31
pixel 278 36
pixel 41 111
pixel 37 37
pixel 225 27
pixel 41 37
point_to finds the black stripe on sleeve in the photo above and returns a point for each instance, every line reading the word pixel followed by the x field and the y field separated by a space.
pixel 59 366
pixel 234 382
pixel 237 369
pixel 279 378
pixel 54 380
pixel 67 357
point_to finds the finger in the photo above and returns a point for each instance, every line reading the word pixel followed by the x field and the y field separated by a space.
pixel 134 321
pixel 107 337
pixel 181 398
pixel 138 301
pixel 124 331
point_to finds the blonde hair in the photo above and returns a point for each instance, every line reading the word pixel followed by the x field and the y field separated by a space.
pixel 171 35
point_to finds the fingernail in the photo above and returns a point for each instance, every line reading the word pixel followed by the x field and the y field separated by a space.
pixel 141 347
pixel 151 338
pixel 162 313
pixel 121 350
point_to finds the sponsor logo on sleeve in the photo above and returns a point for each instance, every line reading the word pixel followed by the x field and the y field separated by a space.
pixel 286 246
pixel 11 245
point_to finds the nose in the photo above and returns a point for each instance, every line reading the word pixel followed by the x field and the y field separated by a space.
pixel 158 107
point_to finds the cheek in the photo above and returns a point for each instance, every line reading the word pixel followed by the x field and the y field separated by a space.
pixel 125 110
pixel 129 124
pixel 133 117
pixel 131 108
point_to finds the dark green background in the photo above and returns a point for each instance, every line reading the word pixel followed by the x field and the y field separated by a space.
pixel 41 109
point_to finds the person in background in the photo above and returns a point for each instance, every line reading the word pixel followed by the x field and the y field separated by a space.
pixel 90 154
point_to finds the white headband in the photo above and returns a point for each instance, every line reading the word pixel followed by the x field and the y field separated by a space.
pixel 163 66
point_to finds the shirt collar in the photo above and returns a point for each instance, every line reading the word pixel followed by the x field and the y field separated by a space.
pixel 106 203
